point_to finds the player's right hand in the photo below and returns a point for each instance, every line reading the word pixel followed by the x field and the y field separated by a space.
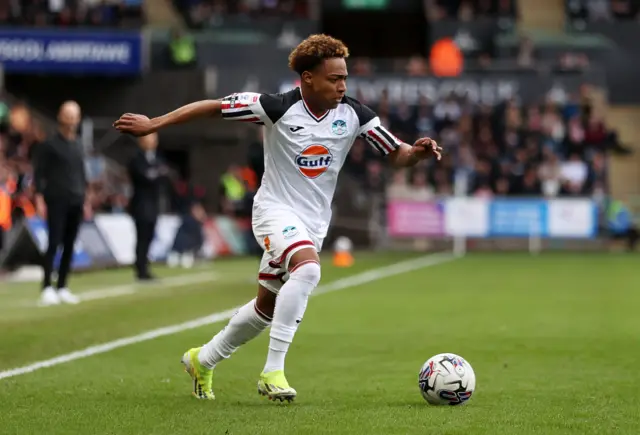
pixel 134 124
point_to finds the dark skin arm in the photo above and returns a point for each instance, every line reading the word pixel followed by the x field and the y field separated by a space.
pixel 140 125
pixel 407 155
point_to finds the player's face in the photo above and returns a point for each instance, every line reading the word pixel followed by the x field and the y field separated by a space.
pixel 330 81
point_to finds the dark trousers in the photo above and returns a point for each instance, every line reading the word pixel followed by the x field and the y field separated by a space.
pixel 64 216
pixel 145 230
pixel 188 237
pixel 631 236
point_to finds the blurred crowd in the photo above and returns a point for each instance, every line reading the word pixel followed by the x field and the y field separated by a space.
pixel 602 10
pixel 204 13
pixel 549 150
pixel 72 13
pixel 20 134
pixel 468 10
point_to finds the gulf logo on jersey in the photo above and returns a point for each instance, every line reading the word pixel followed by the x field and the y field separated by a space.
pixel 314 161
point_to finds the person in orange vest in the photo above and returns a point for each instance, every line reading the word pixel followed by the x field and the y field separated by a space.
pixel 446 59
pixel 6 188
pixel 5 214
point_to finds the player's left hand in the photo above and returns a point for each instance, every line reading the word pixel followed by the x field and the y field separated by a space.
pixel 425 147
pixel 134 124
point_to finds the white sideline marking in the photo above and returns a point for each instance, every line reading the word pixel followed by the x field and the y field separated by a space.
pixel 340 284
pixel 128 289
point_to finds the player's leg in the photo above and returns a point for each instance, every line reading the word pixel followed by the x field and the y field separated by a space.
pixel 304 275
pixel 247 323
pixel 56 215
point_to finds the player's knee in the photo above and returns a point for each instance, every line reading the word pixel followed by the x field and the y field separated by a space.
pixel 308 271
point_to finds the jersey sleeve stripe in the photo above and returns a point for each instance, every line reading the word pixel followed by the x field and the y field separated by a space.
pixel 387 148
pixel 238 114
pixel 254 119
pixel 226 105
pixel 372 143
pixel 393 141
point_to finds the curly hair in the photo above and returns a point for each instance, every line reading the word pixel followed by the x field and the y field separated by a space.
pixel 312 51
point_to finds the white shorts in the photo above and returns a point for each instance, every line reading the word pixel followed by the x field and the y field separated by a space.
pixel 281 234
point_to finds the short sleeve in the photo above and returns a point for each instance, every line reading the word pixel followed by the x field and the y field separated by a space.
pixel 244 107
pixel 379 137
pixel 371 130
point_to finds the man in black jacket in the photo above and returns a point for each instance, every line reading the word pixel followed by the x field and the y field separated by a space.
pixel 60 179
pixel 146 170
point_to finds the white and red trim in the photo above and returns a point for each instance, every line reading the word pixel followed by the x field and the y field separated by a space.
pixel 242 115
pixel 277 264
pixel 228 105
pixel 310 112
pixel 261 314
pixel 302 263
pixel 233 109
pixel 271 276
pixel 381 139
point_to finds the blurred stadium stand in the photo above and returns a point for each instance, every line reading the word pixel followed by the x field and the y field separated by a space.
pixel 534 101
pixel 70 14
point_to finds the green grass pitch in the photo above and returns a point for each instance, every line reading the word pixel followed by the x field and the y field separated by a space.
pixel 554 341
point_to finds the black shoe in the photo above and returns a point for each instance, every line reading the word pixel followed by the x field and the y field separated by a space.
pixel 147 278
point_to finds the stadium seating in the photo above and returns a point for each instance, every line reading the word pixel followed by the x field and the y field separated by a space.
pixel 111 13
pixel 552 150
pixel 594 11
pixel 205 13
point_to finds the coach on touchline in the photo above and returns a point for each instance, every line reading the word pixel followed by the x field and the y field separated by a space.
pixel 60 179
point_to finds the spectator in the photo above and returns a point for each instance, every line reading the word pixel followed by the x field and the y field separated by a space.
pixel 182 50
pixel 526 54
pixel 550 173
pixel 620 224
pixel 573 174
pixel 233 191
pixel 188 239
pixel 420 188
pixel 553 149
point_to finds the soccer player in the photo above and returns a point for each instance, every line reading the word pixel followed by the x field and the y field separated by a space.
pixel 308 134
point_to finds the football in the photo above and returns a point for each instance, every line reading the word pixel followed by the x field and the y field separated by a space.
pixel 446 379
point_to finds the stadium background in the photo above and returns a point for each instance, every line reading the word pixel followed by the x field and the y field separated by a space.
pixel 535 103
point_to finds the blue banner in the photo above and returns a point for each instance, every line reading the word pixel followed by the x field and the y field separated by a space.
pixel 517 218
pixel 71 52
pixel 500 217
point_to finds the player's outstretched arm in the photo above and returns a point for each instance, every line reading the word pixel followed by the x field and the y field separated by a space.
pixel 399 153
pixel 407 155
pixel 140 125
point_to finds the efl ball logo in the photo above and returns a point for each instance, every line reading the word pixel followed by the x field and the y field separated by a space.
pixel 314 161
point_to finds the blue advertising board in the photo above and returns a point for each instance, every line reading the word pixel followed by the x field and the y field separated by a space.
pixel 508 217
pixel 517 218
pixel 71 52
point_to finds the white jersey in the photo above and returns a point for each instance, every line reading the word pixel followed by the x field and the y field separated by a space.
pixel 303 152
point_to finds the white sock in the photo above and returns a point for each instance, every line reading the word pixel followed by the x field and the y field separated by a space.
pixel 245 325
pixel 291 304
